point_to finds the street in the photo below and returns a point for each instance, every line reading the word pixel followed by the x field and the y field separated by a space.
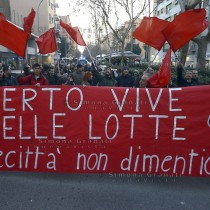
pixel 37 191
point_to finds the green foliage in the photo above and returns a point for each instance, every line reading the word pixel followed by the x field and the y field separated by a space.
pixel 204 77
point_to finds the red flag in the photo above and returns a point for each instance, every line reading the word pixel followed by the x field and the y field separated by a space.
pixel 28 21
pixel 74 33
pixel 150 32
pixel 47 42
pixel 163 76
pixel 184 27
pixel 2 16
pixel 13 38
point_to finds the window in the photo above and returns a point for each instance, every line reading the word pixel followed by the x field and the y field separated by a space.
pixel 14 16
pixel 168 8
pixel 50 18
pixel 161 12
pixel 2 10
pixel 168 19
pixel 18 19
pixel 176 2
pixel 21 17
pixel 49 2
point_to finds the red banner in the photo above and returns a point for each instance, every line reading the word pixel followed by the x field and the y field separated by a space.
pixel 105 130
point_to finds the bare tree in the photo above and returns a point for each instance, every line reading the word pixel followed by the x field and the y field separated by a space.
pixel 109 11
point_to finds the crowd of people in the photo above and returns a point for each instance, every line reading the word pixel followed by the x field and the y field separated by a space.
pixel 89 75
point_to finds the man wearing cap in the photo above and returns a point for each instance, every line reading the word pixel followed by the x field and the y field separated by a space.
pixel 36 78
pixel 78 75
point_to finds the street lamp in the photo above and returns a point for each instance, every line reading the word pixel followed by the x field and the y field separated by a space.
pixel 38 15
pixel 39 57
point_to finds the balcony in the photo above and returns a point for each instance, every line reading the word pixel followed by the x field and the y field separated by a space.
pixel 193 48
pixel 58 40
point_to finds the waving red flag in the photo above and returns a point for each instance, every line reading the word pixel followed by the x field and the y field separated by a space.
pixel 28 21
pixel 184 27
pixel 2 16
pixel 150 32
pixel 74 33
pixel 163 76
pixel 47 42
pixel 13 38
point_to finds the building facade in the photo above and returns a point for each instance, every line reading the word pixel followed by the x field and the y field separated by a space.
pixel 168 10
pixel 15 11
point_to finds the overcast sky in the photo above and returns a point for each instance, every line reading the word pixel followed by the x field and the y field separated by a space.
pixel 66 7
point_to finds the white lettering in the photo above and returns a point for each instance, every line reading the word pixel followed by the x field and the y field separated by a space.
pixel 51 94
pixel 7 99
pixel 26 100
pixel 173 99
pixel 120 106
pixel 57 126
pixel 178 129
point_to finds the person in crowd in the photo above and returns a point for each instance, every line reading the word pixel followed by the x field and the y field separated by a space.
pixel 119 72
pixel 136 79
pixel 143 80
pixel 52 78
pixel 70 80
pixel 126 80
pixel 44 69
pixel 36 78
pixel 26 70
pixel 11 81
pixel 108 79
pixel 78 75
pixel 149 70
pixel 87 79
pixel 187 80
pixel 145 76
pixel 195 77
pixel 62 81
pixel 3 81
pixel 87 67
pixel 97 77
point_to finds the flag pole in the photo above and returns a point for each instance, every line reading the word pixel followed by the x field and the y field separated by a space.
pixel 88 52
pixel 178 59
pixel 91 57
pixel 155 56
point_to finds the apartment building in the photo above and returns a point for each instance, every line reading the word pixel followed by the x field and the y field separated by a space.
pixel 45 12
pixel 15 11
pixel 168 10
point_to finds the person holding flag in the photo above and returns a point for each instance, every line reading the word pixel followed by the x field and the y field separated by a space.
pixel 37 78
